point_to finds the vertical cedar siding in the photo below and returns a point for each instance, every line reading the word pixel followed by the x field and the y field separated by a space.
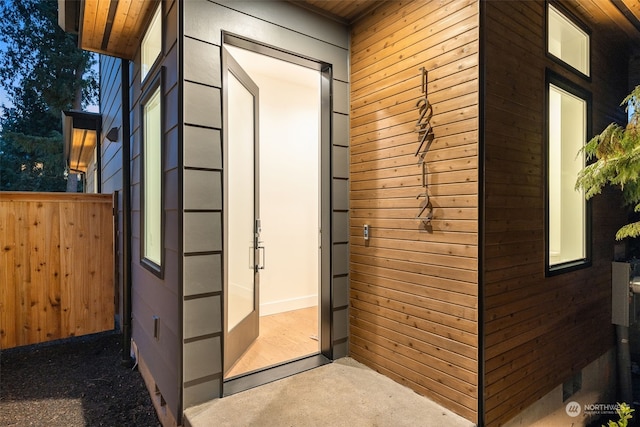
pixel 538 331
pixel 413 294
pixel 153 295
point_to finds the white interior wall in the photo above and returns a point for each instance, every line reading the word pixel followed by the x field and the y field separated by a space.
pixel 289 180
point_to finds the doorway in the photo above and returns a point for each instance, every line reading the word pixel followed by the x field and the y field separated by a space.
pixel 273 211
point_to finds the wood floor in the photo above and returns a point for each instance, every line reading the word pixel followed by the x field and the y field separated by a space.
pixel 283 336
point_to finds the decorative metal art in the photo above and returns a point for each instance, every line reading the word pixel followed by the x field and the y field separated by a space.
pixel 425 138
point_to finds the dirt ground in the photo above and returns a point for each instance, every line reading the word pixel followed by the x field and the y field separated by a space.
pixel 76 382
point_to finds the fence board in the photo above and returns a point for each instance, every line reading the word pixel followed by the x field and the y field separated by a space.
pixel 57 266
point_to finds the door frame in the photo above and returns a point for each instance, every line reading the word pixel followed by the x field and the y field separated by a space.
pixel 253 379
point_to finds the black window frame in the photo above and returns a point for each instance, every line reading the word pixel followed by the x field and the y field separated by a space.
pixel 578 23
pixel 555 79
pixel 156 83
pixel 151 74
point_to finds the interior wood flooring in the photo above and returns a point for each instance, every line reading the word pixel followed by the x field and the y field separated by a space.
pixel 283 337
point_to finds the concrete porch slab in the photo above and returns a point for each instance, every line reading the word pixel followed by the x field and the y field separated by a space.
pixel 343 393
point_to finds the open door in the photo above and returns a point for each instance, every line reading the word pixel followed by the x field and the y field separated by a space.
pixel 243 256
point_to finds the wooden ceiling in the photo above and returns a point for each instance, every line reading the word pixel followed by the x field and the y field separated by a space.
pixel 80 133
pixel 112 27
pixel 345 11
pixel 615 15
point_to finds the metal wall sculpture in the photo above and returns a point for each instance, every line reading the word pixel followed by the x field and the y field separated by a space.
pixel 425 139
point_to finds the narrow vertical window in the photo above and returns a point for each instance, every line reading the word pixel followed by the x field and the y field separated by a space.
pixel 151 44
pixel 152 178
pixel 567 41
pixel 567 224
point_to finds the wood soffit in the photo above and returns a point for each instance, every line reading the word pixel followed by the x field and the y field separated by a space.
pixel 345 11
pixel 618 17
pixel 115 27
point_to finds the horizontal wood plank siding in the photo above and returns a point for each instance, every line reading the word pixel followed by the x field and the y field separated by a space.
pixel 538 330
pixel 57 266
pixel 413 297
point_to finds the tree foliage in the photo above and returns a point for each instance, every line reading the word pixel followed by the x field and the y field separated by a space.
pixel 31 155
pixel 43 72
pixel 39 51
pixel 616 155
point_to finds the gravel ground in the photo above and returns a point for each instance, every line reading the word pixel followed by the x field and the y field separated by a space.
pixel 75 382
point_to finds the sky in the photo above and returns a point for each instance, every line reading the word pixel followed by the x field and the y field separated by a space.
pixel 4 100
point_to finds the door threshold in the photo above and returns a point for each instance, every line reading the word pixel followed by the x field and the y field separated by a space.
pixel 263 376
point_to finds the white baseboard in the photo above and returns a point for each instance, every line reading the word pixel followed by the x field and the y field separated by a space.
pixel 281 306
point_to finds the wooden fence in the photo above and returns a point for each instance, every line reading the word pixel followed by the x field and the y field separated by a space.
pixel 56 266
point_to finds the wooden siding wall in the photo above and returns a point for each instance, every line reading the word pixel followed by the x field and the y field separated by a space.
pixel 413 313
pixel 111 110
pixel 153 295
pixel 56 279
pixel 539 330
pixel 291 29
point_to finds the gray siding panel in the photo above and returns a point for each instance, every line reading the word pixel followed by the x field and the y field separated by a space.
pixel 340 194
pixel 341 349
pixel 340 292
pixel 202 358
pixel 170 114
pixel 197 317
pixel 202 189
pixel 171 76
pixel 298 19
pixel 341 130
pixel 340 324
pixel 202 231
pixel 202 274
pixel 202 392
pixel 170 154
pixel 202 148
pixel 340 162
pixel 171 231
pixel 341 227
pixel 172 275
pixel 202 62
pixel 171 192
pixel 340 97
pixel 340 259
pixel 171 26
pixel 202 105
pixel 199 25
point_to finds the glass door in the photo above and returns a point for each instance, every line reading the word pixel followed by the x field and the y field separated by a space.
pixel 243 253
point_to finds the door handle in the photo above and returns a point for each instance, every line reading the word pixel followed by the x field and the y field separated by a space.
pixel 264 257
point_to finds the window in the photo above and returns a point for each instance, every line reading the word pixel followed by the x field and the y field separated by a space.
pixel 151 44
pixel 152 178
pixel 567 41
pixel 567 216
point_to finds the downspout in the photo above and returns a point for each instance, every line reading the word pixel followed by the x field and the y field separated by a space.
pixel 180 47
pixel 126 213
pixel 98 182
pixel 624 364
